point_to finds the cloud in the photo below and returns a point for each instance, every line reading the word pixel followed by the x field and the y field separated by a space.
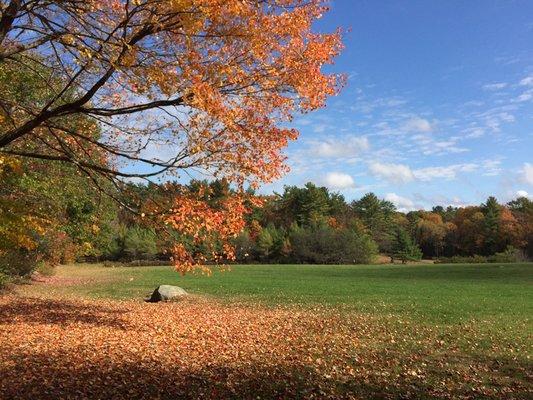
pixel 495 86
pixel 417 124
pixel 339 180
pixel 449 172
pixel 527 81
pixel 474 132
pixel 522 193
pixel 496 117
pixel 527 173
pixel 400 173
pixel 524 97
pixel 491 167
pixel 403 204
pixel 394 173
pixel 339 147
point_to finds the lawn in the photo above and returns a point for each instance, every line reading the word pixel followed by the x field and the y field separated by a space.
pixel 434 293
pixel 272 331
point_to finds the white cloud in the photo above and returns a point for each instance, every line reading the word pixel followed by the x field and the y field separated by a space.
pixel 527 81
pixel 474 132
pixel 348 147
pixel 527 173
pixel 339 180
pixel 394 173
pixel 522 193
pixel 524 97
pixel 402 203
pixel 491 167
pixel 449 172
pixel 400 173
pixel 495 86
pixel 496 117
pixel 417 124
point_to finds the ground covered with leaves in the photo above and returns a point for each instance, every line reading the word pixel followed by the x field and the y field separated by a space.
pixel 63 348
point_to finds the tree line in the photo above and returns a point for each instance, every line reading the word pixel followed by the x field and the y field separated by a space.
pixel 312 224
pixel 50 215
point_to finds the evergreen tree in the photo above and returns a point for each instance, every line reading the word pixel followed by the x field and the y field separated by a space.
pixel 404 248
pixel 491 211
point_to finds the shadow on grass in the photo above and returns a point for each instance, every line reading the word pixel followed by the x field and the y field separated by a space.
pixel 60 312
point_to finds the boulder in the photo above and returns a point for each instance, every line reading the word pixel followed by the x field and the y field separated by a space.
pixel 166 292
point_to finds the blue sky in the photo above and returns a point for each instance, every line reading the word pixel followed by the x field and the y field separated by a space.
pixel 438 108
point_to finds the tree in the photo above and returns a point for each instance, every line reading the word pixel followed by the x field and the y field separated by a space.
pixel 175 87
pixel 265 243
pixel 377 216
pixel 469 233
pixel 404 248
pixel 430 232
pixel 140 243
pixel 305 206
pixel 323 244
pixel 491 210
pixel 57 207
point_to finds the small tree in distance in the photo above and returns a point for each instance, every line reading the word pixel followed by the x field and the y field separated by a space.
pixel 404 248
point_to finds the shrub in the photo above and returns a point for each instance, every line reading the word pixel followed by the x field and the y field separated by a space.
pixel 19 263
pixel 326 245
pixel 4 280
pixel 244 246
pixel 510 255
pixel 46 269
pixel 140 243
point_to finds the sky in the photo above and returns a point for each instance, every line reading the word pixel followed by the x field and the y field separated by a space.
pixel 438 106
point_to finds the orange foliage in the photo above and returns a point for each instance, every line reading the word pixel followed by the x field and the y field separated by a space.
pixel 227 73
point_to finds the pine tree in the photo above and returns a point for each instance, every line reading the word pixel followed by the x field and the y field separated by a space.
pixel 404 248
pixel 491 210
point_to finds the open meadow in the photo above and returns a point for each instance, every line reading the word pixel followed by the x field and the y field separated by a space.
pixel 272 331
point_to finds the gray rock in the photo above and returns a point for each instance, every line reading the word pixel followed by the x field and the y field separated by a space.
pixel 166 292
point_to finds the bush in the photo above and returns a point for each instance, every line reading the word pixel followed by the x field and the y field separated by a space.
pixel 475 259
pixel 326 245
pixel 46 269
pixel 4 280
pixel 244 246
pixel 510 255
pixel 136 263
pixel 140 243
pixel 19 263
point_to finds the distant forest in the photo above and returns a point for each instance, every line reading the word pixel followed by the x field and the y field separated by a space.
pixel 307 224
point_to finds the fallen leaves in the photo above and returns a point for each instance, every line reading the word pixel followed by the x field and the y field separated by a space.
pixel 65 348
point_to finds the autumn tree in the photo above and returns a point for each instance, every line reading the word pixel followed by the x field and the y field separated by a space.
pixel 430 233
pixel 177 88
pixel 469 233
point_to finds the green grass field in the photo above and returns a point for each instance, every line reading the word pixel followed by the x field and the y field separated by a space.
pixel 432 293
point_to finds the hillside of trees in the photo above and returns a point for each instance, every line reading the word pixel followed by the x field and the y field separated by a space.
pixel 307 224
